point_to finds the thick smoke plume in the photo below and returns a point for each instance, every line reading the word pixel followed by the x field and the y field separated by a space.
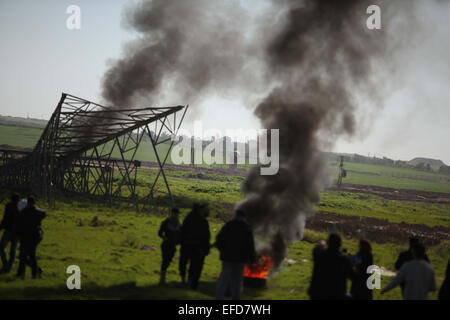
pixel 315 58
pixel 320 57
pixel 185 50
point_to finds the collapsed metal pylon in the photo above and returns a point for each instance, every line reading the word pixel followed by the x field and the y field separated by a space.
pixel 89 149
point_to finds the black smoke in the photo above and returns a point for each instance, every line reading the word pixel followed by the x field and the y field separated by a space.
pixel 322 55
pixel 314 58
pixel 185 47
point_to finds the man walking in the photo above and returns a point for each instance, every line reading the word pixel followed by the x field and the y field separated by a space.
pixel 236 245
pixel 169 231
pixel 195 237
pixel 416 276
pixel 31 234
pixel 8 223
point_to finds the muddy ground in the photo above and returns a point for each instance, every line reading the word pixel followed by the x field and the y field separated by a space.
pixel 396 194
pixel 377 230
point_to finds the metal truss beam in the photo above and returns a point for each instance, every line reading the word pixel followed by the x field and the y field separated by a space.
pixel 89 150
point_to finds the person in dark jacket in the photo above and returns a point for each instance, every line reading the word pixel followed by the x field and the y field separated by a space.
pixel 195 237
pixel 361 261
pixel 169 231
pixel 318 250
pixel 330 273
pixel 8 223
pixel 444 292
pixel 236 245
pixel 30 234
pixel 407 255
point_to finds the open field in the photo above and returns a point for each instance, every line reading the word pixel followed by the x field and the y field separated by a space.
pixel 357 173
pixel 19 136
pixel 120 256
pixel 385 176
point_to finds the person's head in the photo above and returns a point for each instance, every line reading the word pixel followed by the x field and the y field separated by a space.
pixel 201 209
pixel 31 201
pixel 320 247
pixel 204 210
pixel 413 241
pixel 322 244
pixel 14 198
pixel 334 242
pixel 364 246
pixel 196 207
pixel 418 251
pixel 174 213
pixel 239 214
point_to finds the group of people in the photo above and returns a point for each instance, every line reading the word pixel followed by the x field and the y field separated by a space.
pixel 234 241
pixel 22 225
pixel 193 236
pixel 334 266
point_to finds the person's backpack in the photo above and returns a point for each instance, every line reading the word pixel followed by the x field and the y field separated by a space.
pixel 344 173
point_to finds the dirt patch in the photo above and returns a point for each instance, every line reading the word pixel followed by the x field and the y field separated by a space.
pixel 396 194
pixel 201 170
pixel 377 230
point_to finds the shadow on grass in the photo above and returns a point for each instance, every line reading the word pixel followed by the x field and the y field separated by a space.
pixel 127 291
pixel 124 291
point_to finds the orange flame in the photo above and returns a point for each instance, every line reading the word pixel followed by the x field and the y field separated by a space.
pixel 259 269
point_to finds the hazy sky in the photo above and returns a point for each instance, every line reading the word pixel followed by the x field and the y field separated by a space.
pixel 40 58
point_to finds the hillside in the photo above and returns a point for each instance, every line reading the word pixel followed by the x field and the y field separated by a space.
pixel 435 164
pixel 22 122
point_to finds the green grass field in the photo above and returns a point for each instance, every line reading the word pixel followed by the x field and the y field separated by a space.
pixel 19 136
pixel 384 176
pixel 114 264
pixel 364 174
pixel 358 204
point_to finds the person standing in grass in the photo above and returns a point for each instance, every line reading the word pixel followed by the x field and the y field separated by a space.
pixel 407 255
pixel 8 223
pixel 195 237
pixel 361 261
pixel 169 231
pixel 30 233
pixel 236 245
pixel 416 276
pixel 331 271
